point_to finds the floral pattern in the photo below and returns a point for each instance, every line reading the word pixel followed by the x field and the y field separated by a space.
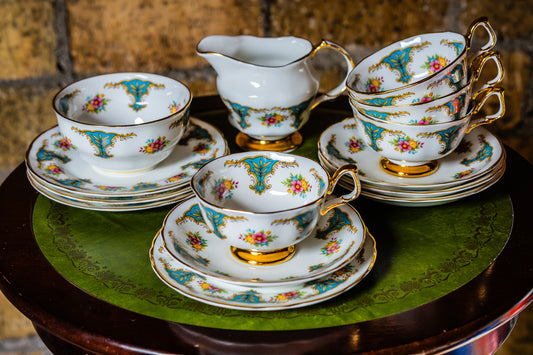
pixel 425 98
pixel 209 288
pixel 64 144
pixel 297 185
pixel 423 121
pixel 355 145
pixel 174 107
pixel 54 170
pixel 196 241
pixel 286 296
pixel 435 63
pixel 374 84
pixel 258 239
pixel 272 119
pixel 95 104
pixel 177 177
pixel 406 145
pixel 462 174
pixel 464 147
pixel 109 188
pixel 154 145
pixel 201 148
pixel 224 188
pixel 332 247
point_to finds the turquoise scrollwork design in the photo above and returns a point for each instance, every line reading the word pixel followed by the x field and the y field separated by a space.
pixel 373 132
pixel 458 46
pixel 338 221
pixel 136 88
pixel 451 107
pixel 398 60
pixel 384 116
pixel 102 141
pixel 46 155
pixel 297 112
pixel 181 276
pixel 302 221
pixel 321 183
pixel 195 132
pixel 198 164
pixel 485 152
pixel 63 102
pixel 387 101
pixel 218 220
pixel 446 137
pixel 241 111
pixel 334 152
pixel 73 182
pixel 193 213
pixel 143 186
pixel 260 167
pixel 250 296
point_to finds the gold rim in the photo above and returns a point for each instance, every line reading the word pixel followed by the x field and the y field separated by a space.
pixel 286 144
pixel 408 170
pixel 255 257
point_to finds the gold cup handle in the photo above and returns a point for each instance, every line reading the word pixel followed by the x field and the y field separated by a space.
pixel 342 86
pixel 484 23
pixel 479 99
pixel 350 169
pixel 477 65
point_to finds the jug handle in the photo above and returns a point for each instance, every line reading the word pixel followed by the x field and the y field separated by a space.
pixel 342 87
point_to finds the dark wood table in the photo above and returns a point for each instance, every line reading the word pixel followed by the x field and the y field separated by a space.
pixel 71 321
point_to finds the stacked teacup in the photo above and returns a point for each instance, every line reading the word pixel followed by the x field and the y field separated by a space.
pixel 415 100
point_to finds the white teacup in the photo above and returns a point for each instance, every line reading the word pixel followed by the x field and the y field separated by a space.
pixel 408 71
pixel 123 122
pixel 414 150
pixel 264 202
pixel 447 108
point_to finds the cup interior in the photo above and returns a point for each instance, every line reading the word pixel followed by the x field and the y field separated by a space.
pixel 260 182
pixel 122 99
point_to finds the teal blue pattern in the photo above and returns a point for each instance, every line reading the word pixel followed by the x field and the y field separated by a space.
pixel 323 286
pixel 334 152
pixel 452 108
pixel 378 115
pixel 74 182
pixel 386 101
pixel 259 167
pixel 302 221
pixel 297 112
pixel 247 297
pixel 197 164
pixel 484 153
pixel 138 89
pixel 45 155
pixel 398 61
pixel 218 220
pixel 188 256
pixel 242 111
pixel 194 213
pixel 373 132
pixel 102 141
pixel 447 136
pixel 338 221
pixel 181 276
pixel 195 132
pixel 143 186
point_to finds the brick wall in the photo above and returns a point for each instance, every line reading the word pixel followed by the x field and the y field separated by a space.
pixel 45 44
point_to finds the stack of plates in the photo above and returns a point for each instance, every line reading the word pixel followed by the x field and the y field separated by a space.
pixel 56 171
pixel 476 164
pixel 193 261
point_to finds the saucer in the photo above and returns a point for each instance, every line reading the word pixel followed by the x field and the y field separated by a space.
pixel 55 162
pixel 336 240
pixel 478 154
pixel 216 292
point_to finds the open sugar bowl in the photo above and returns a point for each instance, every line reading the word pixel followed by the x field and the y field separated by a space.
pixel 263 203
pixel 123 122
pixel 407 71
pixel 414 150
pixel 447 108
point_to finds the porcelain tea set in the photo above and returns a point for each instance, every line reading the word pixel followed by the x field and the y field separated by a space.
pixel 262 229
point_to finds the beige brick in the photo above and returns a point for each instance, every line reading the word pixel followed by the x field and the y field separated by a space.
pixel 13 324
pixel 28 39
pixel 25 113
pixel 509 18
pixel 143 35
pixel 366 22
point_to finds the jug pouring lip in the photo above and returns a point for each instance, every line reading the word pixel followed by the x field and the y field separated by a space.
pixel 254 50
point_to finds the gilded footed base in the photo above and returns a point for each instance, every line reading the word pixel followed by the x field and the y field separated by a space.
pixel 255 257
pixel 286 144
pixel 409 170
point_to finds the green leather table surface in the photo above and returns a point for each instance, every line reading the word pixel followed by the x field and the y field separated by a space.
pixel 422 254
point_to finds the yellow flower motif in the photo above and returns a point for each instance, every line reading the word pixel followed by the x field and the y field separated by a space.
pixel 281 297
pixel 227 184
pixel 442 61
pixel 413 144
pixel 375 82
pixel 90 107
pixel 249 239
pixel 204 285
pixel 304 184
pixel 148 149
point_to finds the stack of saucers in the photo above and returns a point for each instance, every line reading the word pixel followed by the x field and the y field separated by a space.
pixel 190 258
pixel 55 169
pixel 475 165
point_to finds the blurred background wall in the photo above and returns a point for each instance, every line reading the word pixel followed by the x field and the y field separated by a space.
pixel 46 44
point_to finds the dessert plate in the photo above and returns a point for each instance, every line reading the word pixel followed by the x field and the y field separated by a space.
pixel 55 161
pixel 336 240
pixel 219 293
pixel 128 206
pixel 478 154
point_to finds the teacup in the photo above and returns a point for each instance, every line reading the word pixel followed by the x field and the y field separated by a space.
pixel 414 150
pixel 416 68
pixel 123 122
pixel 264 202
pixel 443 109
pixel 269 86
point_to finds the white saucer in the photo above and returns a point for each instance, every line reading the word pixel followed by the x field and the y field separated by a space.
pixel 189 240
pixel 215 292
pixel 202 142
pixel 479 153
